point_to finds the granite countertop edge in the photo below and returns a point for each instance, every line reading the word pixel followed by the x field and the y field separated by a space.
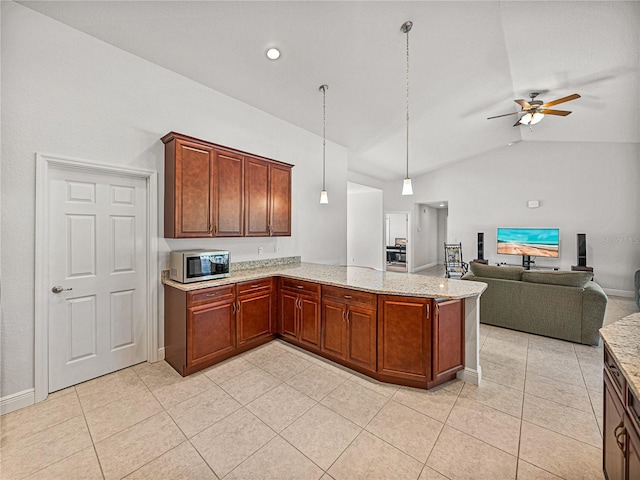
pixel 623 341
pixel 363 279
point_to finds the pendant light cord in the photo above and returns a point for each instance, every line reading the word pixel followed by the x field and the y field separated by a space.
pixel 408 102
pixel 324 132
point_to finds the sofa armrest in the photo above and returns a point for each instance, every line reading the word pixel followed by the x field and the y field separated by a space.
pixel 594 304
pixel 468 276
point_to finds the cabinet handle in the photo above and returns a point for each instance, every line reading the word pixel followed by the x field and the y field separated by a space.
pixel 211 294
pixel 255 286
pixel 617 434
pixel 348 318
pixel 300 286
pixel 344 312
pixel 427 310
pixel 614 369
pixel 348 297
pixel 238 307
pixel 233 305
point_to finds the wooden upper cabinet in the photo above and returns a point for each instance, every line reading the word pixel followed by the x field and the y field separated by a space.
pixel 280 201
pixel 189 190
pixel 216 191
pixel 256 195
pixel 229 200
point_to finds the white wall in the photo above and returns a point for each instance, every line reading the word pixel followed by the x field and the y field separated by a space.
pixel 425 237
pixel 365 229
pixel 69 94
pixel 582 188
pixel 442 233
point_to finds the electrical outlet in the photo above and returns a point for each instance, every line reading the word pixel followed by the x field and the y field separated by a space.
pixel 260 250
pixel 278 248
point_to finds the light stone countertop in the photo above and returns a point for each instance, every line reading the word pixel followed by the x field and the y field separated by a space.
pixel 623 339
pixel 357 278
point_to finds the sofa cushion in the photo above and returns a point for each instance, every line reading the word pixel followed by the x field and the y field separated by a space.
pixel 492 271
pixel 567 279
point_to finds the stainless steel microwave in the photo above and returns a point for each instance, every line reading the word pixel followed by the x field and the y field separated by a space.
pixel 199 265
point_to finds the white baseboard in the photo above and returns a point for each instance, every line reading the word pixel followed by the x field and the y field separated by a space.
pixel 619 293
pixel 470 376
pixel 16 401
pixel 424 267
pixel 161 354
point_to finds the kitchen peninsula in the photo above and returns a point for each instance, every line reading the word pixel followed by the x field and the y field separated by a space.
pixel 400 328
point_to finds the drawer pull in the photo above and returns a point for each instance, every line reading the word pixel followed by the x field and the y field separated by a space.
pixel 255 286
pixel 348 297
pixel 211 294
pixel 614 370
pixel 300 286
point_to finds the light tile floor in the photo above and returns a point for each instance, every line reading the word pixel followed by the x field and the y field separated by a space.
pixel 278 412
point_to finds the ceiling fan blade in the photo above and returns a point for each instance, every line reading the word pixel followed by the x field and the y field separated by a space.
pixel 517 123
pixel 561 100
pixel 561 113
pixel 523 103
pixel 505 115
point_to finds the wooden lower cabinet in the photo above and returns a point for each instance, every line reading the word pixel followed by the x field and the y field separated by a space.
pixel 254 311
pixel 349 328
pixel 404 338
pixel 613 423
pixel 299 308
pixel 411 341
pixel 203 327
pixel 211 332
pixel 621 425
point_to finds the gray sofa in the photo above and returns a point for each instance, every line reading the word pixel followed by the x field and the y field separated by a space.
pixel 564 305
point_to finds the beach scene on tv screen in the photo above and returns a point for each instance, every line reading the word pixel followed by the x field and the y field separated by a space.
pixel 536 242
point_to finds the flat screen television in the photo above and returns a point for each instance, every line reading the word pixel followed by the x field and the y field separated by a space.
pixel 535 242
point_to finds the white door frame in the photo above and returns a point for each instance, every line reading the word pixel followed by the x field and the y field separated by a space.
pixel 44 164
pixel 409 238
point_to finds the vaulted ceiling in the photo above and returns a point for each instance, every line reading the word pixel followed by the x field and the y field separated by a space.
pixel 468 61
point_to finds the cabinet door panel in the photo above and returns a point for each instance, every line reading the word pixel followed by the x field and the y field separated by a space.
pixel 333 329
pixel 633 451
pixel 194 191
pixel 309 323
pixel 211 332
pixel 448 338
pixel 254 317
pixel 288 314
pixel 613 457
pixel 404 337
pixel 256 195
pixel 280 190
pixel 361 325
pixel 229 195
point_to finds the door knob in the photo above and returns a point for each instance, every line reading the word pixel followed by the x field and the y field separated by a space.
pixel 59 289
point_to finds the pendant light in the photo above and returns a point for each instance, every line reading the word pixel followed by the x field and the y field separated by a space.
pixel 407 189
pixel 324 198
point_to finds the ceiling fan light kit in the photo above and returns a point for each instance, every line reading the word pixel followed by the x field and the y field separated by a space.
pixel 534 110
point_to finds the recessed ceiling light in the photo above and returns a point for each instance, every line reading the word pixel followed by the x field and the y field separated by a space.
pixel 273 53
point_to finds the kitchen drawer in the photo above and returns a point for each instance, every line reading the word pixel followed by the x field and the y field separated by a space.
pixel 210 295
pixel 349 297
pixel 254 286
pixel 301 286
pixel 615 374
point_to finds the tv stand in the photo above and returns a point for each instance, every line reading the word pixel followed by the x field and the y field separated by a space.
pixel 527 262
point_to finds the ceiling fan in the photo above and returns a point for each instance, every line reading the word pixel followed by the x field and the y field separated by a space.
pixel 534 110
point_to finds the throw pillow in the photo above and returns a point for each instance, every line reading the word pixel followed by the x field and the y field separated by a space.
pixel 493 271
pixel 568 279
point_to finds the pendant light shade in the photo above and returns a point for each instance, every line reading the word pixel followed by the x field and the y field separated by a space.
pixel 324 197
pixel 407 189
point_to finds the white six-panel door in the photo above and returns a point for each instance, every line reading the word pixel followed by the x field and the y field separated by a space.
pixel 97 275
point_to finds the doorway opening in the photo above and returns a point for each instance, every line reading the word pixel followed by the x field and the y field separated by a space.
pixel 397 241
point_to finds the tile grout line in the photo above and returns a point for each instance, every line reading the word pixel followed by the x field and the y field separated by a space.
pixel 524 388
